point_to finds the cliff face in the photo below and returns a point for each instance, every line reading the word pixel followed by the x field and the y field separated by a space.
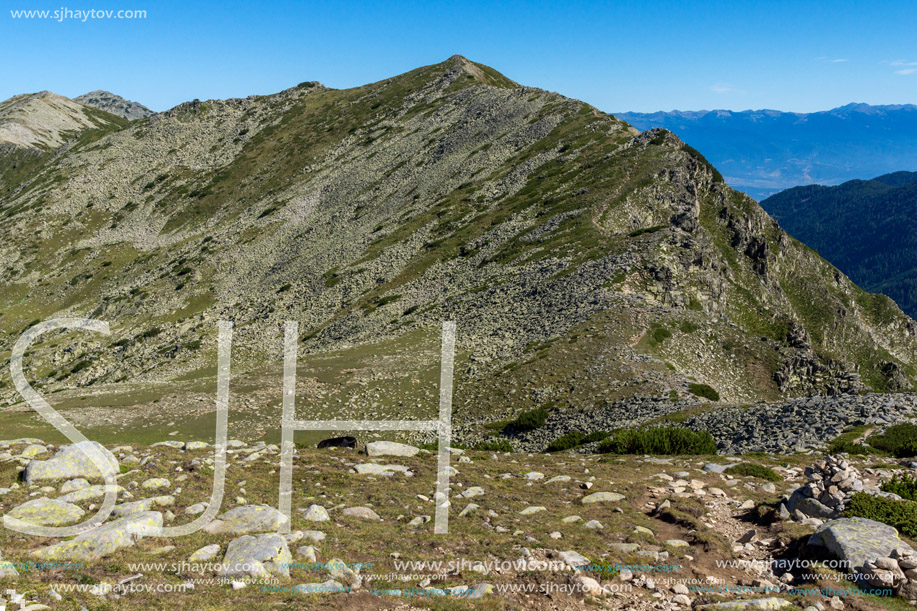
pixel 582 260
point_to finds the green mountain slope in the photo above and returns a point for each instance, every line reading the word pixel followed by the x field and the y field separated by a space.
pixel 865 227
pixel 582 260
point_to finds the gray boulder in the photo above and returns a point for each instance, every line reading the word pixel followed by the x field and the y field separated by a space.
pixel 247 519
pixel 390 448
pixel 856 540
pixel 47 512
pixel 71 461
pixel 104 540
pixel 258 556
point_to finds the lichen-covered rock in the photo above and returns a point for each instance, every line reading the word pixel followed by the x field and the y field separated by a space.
pixel 89 492
pixel 257 556
pixel 71 461
pixel 127 509
pixel 104 540
pixel 390 448
pixel 248 519
pixel 47 512
pixel 856 540
pixel 316 513
pixel 206 553
pixel 602 497
pixel 364 513
pixel 371 468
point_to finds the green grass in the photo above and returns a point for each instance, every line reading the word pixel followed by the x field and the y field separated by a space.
pixel 705 391
pixel 748 469
pixel 900 514
pixel 659 440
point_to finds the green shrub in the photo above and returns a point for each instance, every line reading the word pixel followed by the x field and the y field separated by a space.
pixel 900 514
pixel 908 449
pixel 566 442
pixel 688 326
pixel 903 485
pixel 527 421
pixel 896 439
pixel 495 445
pixel 658 440
pixel 705 391
pixel 752 470
pixel 841 446
pixel 657 334
pixel 573 439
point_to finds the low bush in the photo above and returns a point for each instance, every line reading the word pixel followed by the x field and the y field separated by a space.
pixel 705 391
pixel 496 445
pixel 903 485
pixel 900 514
pixel 570 440
pixel 897 439
pixel 748 469
pixel 527 421
pixel 659 440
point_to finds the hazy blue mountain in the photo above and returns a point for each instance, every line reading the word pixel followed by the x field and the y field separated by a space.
pixel 764 151
pixel 867 228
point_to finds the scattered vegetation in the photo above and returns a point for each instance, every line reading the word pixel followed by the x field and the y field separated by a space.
pixel 659 440
pixel 494 445
pixel 747 469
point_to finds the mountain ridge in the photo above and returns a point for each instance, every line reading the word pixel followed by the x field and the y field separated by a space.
pixel 584 262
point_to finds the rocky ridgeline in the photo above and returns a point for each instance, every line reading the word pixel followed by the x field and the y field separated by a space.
pixel 800 424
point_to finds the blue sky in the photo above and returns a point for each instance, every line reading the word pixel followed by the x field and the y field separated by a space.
pixel 618 56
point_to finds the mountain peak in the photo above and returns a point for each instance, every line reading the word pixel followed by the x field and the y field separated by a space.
pixel 114 104
pixel 43 120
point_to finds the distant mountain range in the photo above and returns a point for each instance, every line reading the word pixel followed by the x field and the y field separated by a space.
pixel 762 152
pixel 867 228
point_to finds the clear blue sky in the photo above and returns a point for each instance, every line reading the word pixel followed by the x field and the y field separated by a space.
pixel 618 56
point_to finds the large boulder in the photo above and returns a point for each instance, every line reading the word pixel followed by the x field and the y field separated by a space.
pixel 141 506
pixel 71 461
pixel 47 512
pixel 90 492
pixel 856 541
pixel 390 448
pixel 105 540
pixel 258 556
pixel 248 519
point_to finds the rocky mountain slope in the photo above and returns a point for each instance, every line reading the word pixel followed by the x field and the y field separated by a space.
pixel 114 104
pixel 764 151
pixel 864 227
pixel 583 261
pixel 44 121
